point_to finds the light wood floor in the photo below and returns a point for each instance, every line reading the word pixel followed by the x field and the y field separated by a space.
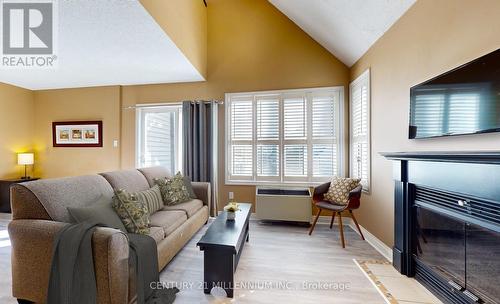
pixel 284 258
pixel 275 264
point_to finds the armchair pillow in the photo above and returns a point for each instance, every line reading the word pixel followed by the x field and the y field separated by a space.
pixel 173 190
pixel 132 211
pixel 338 193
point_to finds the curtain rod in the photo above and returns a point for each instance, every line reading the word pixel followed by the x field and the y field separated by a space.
pixel 163 104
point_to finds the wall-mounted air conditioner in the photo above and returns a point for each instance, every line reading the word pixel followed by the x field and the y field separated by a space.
pixel 283 204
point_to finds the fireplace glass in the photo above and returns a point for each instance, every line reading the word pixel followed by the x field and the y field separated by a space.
pixel 483 262
pixel 440 244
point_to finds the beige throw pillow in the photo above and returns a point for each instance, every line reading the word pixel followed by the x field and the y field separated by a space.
pixel 152 198
pixel 132 211
pixel 173 190
pixel 338 193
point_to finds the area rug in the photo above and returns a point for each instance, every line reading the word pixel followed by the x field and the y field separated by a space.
pixel 363 265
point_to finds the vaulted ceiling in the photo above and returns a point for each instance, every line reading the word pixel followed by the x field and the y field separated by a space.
pixel 347 28
pixel 107 43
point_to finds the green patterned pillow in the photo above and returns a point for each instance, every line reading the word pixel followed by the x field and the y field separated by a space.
pixel 152 198
pixel 338 193
pixel 173 190
pixel 132 211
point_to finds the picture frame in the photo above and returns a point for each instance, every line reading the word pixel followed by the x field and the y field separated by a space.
pixel 77 134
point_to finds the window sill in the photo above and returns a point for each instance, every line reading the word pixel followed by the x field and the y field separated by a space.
pixel 275 184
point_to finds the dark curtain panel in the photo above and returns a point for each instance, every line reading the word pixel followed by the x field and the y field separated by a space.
pixel 199 140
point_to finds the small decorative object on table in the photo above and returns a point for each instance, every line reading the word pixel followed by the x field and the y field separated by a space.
pixel 231 209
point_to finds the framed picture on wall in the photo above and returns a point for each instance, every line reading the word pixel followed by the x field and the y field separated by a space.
pixel 77 134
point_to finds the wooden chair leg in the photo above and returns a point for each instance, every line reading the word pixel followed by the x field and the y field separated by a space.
pixel 357 226
pixel 333 218
pixel 341 227
pixel 315 221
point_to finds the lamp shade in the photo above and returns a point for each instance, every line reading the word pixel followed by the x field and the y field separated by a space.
pixel 25 159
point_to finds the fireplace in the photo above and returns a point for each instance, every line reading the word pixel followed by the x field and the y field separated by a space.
pixel 447 223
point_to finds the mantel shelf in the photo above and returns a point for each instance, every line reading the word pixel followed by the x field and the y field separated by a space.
pixel 484 157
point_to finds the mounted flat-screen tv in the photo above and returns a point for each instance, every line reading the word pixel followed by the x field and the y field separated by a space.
pixel 465 100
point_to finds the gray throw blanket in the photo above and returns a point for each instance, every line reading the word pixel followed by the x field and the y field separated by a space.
pixel 72 278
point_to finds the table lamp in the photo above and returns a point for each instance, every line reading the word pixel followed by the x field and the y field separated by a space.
pixel 25 159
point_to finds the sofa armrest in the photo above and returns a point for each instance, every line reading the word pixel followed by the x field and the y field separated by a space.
pixel 32 246
pixel 203 192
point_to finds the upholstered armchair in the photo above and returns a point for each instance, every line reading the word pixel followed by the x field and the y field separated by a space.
pixel 322 204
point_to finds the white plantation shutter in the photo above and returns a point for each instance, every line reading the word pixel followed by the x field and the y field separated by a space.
pixel 360 129
pixel 242 156
pixel 288 136
pixel 268 163
pixel 295 118
pixel 295 160
pixel 158 137
pixel 242 135
pixel 324 160
pixel 268 137
pixel 268 118
pixel 325 131
pixel 241 116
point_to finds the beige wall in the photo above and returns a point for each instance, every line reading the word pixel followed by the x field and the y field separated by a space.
pixel 102 103
pixel 185 22
pixel 431 38
pixel 251 47
pixel 16 128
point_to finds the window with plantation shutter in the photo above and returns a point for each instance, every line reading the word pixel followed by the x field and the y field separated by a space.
pixel 158 142
pixel 288 136
pixel 359 101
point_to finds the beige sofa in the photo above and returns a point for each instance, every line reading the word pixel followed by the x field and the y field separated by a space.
pixel 39 211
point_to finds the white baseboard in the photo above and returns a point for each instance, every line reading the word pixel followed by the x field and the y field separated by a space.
pixel 380 246
pixel 377 244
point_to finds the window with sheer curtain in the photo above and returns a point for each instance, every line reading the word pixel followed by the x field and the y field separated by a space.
pixel 287 136
pixel 159 137
pixel 359 100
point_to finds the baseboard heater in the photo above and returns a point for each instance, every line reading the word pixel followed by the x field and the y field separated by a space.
pixel 283 204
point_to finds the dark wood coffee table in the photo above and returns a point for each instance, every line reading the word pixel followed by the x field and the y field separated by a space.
pixel 222 245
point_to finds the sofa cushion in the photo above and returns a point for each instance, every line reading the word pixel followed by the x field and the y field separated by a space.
pixel 151 173
pixel 132 211
pixel 130 180
pixel 100 212
pixel 173 190
pixel 157 233
pixel 189 187
pixel 152 199
pixel 190 207
pixel 57 194
pixel 168 220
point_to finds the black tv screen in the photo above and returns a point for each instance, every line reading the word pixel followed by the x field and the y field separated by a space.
pixel 465 100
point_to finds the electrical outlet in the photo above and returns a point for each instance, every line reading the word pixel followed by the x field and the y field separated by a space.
pixel 115 143
pixel 231 196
